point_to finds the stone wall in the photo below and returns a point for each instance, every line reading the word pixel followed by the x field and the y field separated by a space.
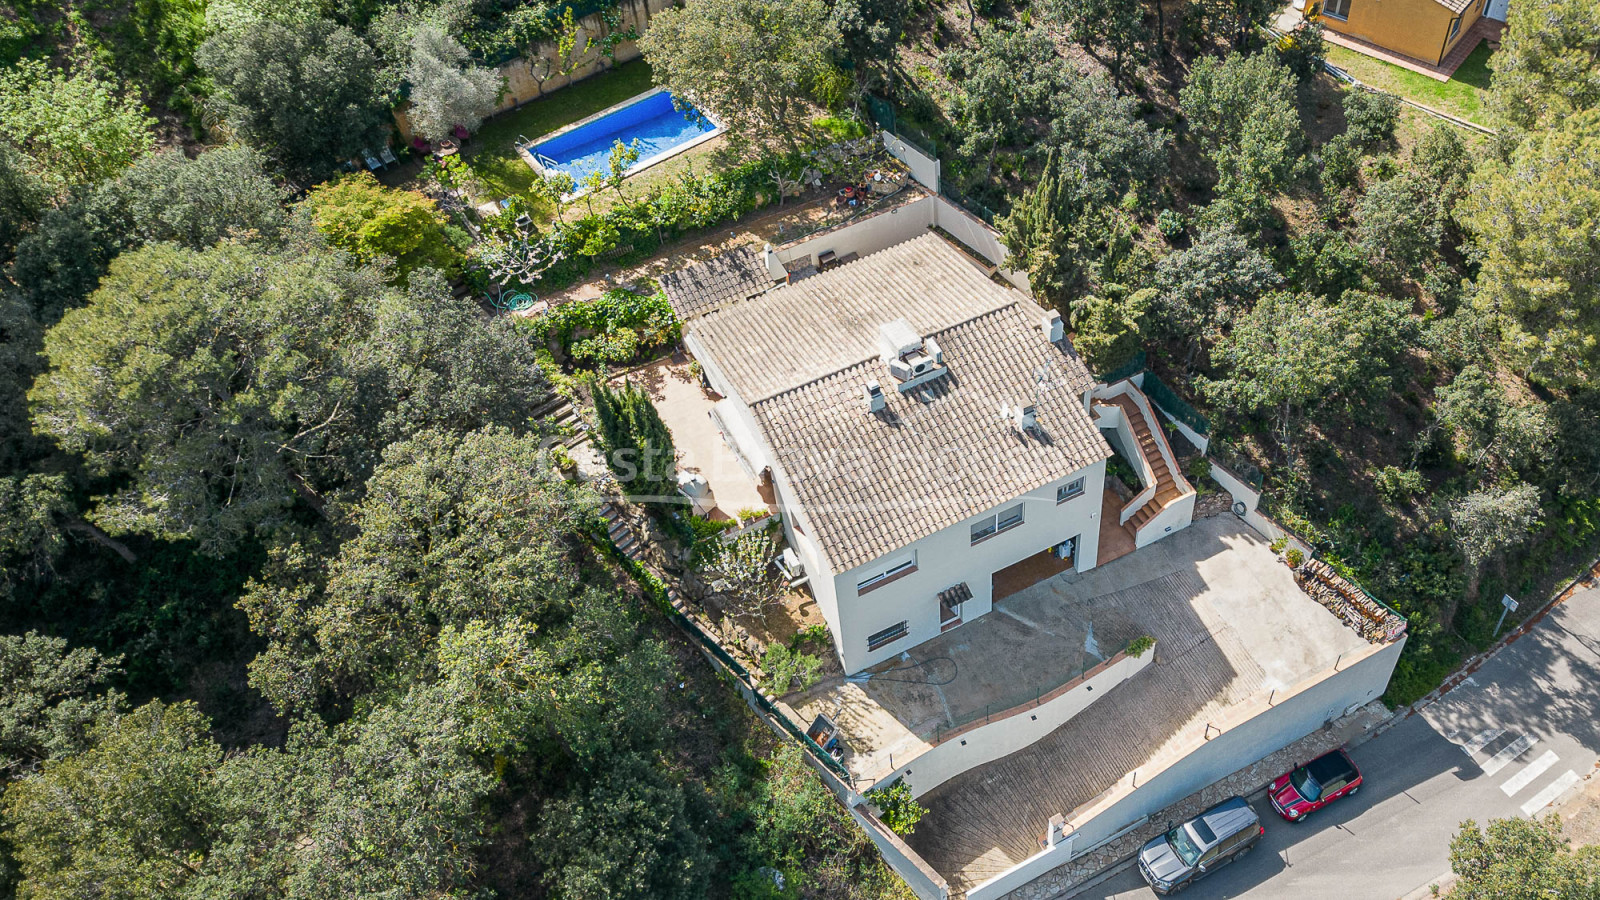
pixel 530 77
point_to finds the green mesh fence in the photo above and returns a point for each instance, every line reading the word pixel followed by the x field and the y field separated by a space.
pixel 1173 405
pixel 1127 370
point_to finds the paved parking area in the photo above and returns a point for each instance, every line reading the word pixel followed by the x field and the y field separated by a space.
pixel 1519 735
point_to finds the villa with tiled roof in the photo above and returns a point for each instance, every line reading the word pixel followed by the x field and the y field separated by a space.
pixel 924 427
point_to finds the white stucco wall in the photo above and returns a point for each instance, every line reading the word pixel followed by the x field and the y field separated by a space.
pixel 1174 517
pixel 948 557
pixel 869 234
pixel 1007 735
pixel 924 168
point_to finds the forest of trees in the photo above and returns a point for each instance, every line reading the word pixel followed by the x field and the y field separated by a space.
pixel 292 602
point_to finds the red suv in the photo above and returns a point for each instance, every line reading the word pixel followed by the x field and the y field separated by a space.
pixel 1314 785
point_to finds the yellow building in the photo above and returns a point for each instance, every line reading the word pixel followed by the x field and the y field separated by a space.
pixel 1424 30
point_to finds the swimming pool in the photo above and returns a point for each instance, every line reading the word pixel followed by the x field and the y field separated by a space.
pixel 584 147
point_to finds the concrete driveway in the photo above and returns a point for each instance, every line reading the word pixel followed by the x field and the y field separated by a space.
pixel 1517 736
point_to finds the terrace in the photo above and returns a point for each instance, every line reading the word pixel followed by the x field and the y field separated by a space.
pixel 688 410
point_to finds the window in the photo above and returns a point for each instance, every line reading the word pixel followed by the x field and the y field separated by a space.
pixel 989 526
pixel 898 569
pixel 1069 490
pixel 887 636
pixel 1455 29
pixel 1337 9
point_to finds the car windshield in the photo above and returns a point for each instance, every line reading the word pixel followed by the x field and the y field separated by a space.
pixel 1306 783
pixel 1183 846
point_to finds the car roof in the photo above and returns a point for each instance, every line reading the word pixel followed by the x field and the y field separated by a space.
pixel 1330 766
pixel 1222 821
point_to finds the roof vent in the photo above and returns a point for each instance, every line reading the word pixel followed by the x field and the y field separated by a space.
pixel 874 396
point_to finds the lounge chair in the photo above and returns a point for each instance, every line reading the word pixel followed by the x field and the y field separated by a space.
pixel 372 161
pixel 387 156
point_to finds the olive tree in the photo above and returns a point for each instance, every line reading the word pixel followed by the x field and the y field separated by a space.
pixel 447 91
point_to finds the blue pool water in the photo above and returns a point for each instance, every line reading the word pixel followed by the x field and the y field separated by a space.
pixel 652 120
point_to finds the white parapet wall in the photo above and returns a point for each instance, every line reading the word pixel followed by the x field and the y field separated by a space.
pixel 924 168
pixel 1005 733
pixel 1261 726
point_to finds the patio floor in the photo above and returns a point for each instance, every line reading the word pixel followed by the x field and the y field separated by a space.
pixel 685 407
pixel 1229 623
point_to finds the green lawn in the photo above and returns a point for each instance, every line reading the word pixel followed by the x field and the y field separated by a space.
pixel 494 159
pixel 1463 95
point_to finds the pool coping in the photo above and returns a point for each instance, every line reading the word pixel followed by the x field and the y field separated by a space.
pixel 525 150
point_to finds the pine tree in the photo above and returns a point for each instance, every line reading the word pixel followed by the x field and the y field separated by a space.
pixel 638 444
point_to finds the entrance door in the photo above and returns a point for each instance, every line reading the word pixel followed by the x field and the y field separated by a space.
pixel 1497 9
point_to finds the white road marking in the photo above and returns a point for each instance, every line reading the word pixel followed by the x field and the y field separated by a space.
pixel 1529 772
pixel 1481 740
pixel 1549 794
pixel 1512 750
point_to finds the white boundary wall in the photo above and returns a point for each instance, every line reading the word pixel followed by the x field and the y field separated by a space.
pixel 882 230
pixel 924 168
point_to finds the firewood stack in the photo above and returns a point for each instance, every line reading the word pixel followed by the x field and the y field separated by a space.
pixel 1365 616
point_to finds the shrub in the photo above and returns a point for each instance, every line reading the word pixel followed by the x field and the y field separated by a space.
pixel 789 669
pixel 900 811
pixel 1171 224
pixel 811 634
pixel 1295 557
pixel 1301 51
pixel 1119 467
pixel 1396 485
pixel 1137 647
pixel 369 220
pixel 615 328
pixel 1370 118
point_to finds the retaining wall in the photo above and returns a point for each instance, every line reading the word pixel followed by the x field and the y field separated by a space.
pixel 1015 729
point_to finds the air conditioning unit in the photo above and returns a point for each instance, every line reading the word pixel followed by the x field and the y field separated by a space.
pixel 920 364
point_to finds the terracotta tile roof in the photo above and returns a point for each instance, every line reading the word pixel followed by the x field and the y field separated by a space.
pixel 1455 6
pixel 728 277
pixel 874 482
pixel 826 322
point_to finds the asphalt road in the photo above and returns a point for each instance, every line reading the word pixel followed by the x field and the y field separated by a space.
pixel 1509 741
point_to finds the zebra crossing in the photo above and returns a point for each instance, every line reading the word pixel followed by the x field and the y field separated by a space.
pixel 1508 749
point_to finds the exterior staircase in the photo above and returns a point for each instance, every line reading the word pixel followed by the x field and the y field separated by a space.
pixel 621 532
pixel 1169 485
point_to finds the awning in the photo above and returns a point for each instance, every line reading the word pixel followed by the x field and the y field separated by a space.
pixel 955 596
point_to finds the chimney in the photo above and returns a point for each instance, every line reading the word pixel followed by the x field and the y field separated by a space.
pixel 1054 328
pixel 874 397
pixel 775 269
pixel 1023 418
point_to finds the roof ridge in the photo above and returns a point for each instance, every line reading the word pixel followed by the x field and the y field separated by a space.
pixel 867 359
